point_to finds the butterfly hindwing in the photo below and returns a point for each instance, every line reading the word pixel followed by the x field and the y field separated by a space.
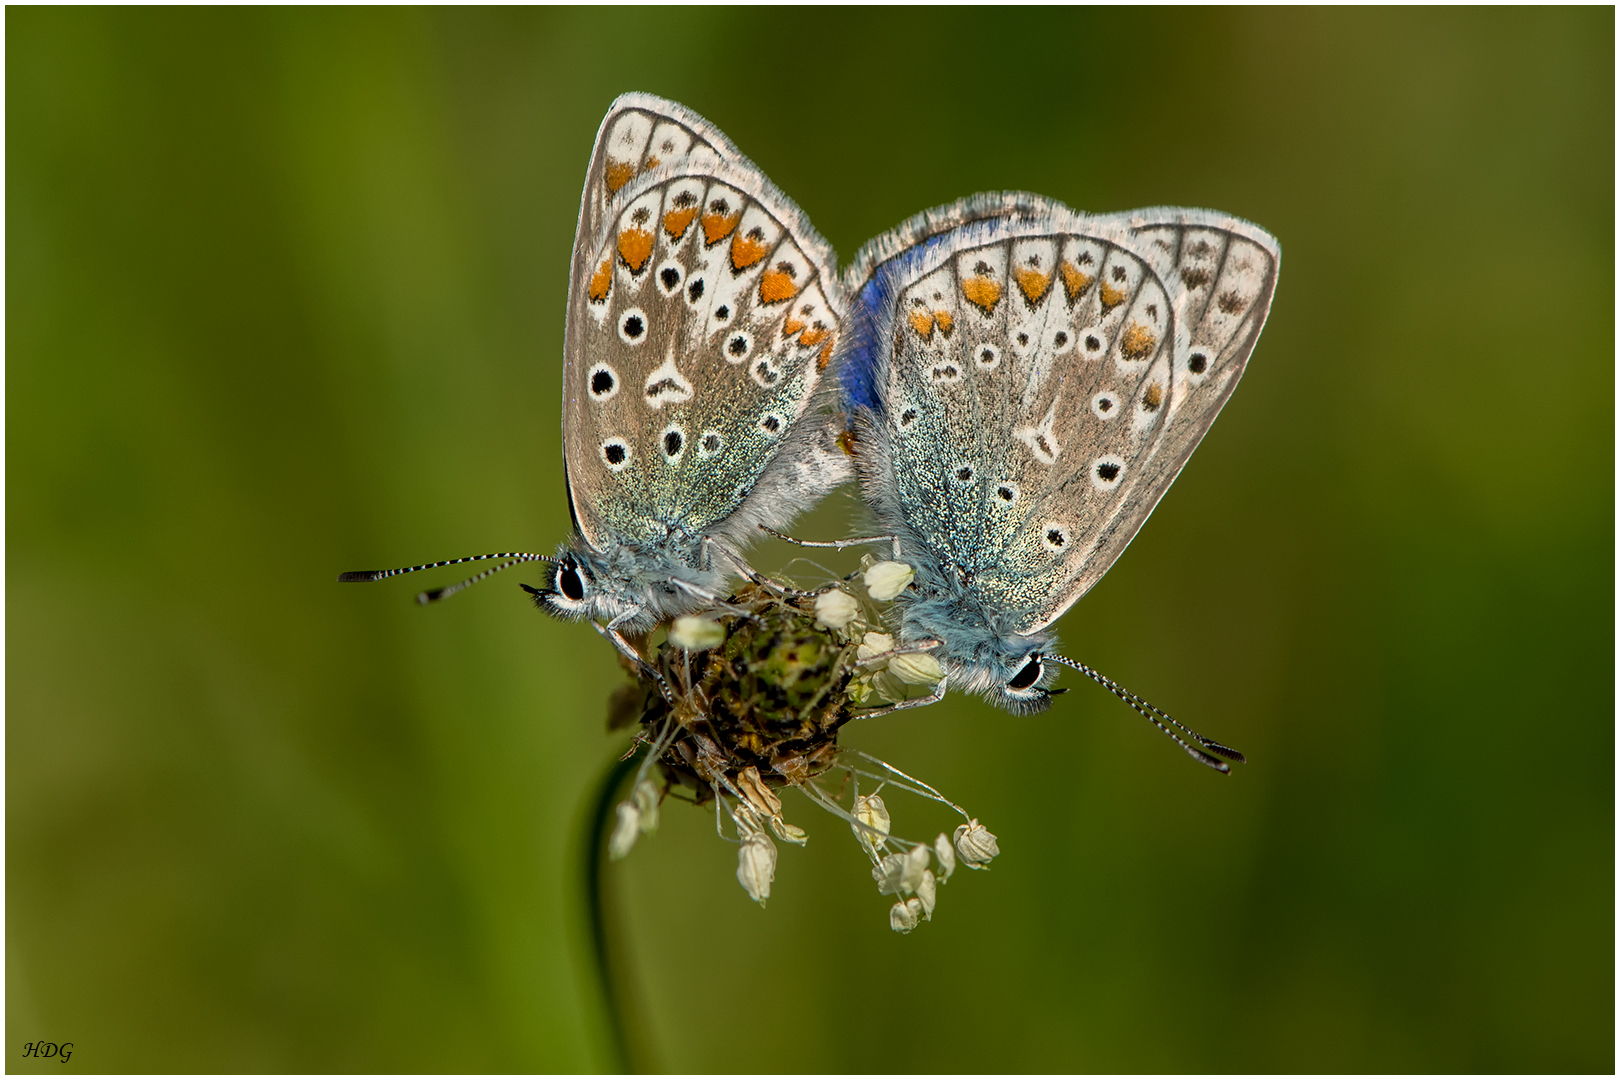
pixel 1222 273
pixel 1031 372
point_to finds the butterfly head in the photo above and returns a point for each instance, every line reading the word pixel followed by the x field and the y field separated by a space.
pixel 1016 680
pixel 583 584
pixel 1008 668
pixel 638 584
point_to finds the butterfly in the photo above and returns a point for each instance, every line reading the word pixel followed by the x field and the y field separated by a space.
pixel 702 316
pixel 1025 383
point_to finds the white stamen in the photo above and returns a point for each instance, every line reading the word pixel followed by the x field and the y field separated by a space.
pixel 874 644
pixel 625 832
pixel 926 893
pixel 694 633
pixel 870 811
pixel 904 916
pixel 836 609
pixel 916 669
pixel 887 580
pixel 946 856
pixel 976 844
pixel 756 866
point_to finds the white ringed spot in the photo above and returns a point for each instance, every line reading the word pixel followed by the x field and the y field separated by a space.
pixel 1200 358
pixel 1091 342
pixel 1106 472
pixel 673 440
pixel 710 443
pixel 1055 538
pixel 669 277
pixel 986 357
pixel 1105 406
pixel 738 346
pixel 633 326
pixel 603 382
pixel 615 453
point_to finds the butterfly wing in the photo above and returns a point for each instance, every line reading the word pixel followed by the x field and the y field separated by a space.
pixel 1031 380
pixel 700 322
pixel 639 133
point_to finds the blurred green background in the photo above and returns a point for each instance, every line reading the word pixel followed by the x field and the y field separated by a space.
pixel 285 294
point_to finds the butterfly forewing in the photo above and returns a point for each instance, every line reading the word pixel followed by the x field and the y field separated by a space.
pixel 693 353
pixel 639 133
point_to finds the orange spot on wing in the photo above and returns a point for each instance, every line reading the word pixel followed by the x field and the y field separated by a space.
pixel 791 326
pixel 652 163
pixel 746 251
pixel 1137 342
pixel 826 355
pixel 1153 398
pixel 923 323
pixel 774 287
pixel 1034 284
pixel 619 174
pixel 1075 281
pixel 813 335
pixel 602 280
pixel 943 320
pixel 1111 297
pixel 635 248
pixel 716 227
pixel 677 221
pixel 982 292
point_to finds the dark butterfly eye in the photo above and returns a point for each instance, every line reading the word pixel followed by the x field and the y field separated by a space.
pixel 1028 677
pixel 570 583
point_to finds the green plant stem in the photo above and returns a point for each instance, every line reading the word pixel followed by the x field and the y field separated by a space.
pixel 627 1045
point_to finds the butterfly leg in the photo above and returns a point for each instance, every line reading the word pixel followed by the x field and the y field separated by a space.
pixel 708 596
pixel 919 646
pixel 839 544
pixel 747 571
pixel 611 632
pixel 932 699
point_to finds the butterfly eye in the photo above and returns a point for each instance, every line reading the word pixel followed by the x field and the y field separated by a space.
pixel 569 583
pixel 1028 677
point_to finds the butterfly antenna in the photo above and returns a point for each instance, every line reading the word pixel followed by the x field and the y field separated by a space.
pixel 513 558
pixel 1159 719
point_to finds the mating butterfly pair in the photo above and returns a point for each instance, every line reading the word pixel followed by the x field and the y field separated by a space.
pixel 1023 383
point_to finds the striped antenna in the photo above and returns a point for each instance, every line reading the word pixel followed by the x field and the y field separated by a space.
pixel 1154 715
pixel 512 558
